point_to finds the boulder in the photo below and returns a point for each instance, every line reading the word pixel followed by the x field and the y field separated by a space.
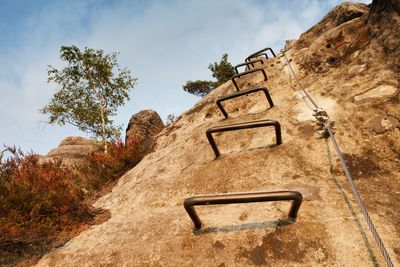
pixel 142 129
pixel 72 150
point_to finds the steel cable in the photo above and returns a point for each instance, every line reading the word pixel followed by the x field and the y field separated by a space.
pixel 359 200
pixel 360 203
pixel 298 82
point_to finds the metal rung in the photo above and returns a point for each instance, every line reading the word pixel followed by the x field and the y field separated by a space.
pixel 235 198
pixel 246 73
pixel 247 64
pixel 240 93
pixel 256 56
pixel 240 126
pixel 259 53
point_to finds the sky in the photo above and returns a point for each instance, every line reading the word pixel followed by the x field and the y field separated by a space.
pixel 163 44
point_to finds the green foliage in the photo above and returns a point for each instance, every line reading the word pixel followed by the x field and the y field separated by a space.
pixel 199 88
pixel 89 91
pixel 221 71
pixel 37 199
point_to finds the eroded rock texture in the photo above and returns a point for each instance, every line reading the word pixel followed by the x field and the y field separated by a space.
pixel 349 64
pixel 142 129
pixel 72 150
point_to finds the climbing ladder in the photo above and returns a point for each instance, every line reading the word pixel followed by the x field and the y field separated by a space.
pixel 247 197
pixel 322 120
pixel 190 202
pixel 242 93
pixel 248 64
pixel 260 53
pixel 241 126
pixel 237 76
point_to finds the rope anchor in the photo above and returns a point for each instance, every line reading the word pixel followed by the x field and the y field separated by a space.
pixel 323 122
pixel 326 132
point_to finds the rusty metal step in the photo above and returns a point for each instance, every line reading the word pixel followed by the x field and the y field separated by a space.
pixel 234 198
pixel 240 126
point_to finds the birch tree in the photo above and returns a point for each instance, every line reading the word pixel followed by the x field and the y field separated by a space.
pixel 90 89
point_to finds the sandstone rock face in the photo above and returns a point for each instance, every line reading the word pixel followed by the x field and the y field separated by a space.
pixel 72 150
pixel 342 57
pixel 382 91
pixel 142 128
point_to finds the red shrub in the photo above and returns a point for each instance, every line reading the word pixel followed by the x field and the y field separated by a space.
pixel 37 198
pixel 103 168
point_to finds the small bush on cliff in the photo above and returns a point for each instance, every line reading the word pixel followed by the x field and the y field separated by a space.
pixel 41 202
pixel 37 199
pixel 221 71
pixel 102 168
pixel 199 87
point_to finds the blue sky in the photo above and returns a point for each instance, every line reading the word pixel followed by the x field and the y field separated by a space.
pixel 163 43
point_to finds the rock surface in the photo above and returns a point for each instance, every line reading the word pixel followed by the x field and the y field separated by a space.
pixel 142 129
pixel 72 150
pixel 380 92
pixel 149 226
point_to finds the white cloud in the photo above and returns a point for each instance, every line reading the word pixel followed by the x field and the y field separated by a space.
pixel 163 43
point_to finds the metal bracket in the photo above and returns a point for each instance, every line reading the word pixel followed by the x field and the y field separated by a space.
pixel 259 53
pixel 240 93
pixel 247 64
pixel 202 200
pixel 246 73
pixel 256 56
pixel 240 126
pixel 321 116
pixel 323 122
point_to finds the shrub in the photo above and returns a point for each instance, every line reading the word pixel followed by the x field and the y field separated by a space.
pixel 102 168
pixel 199 87
pixel 42 202
pixel 221 71
pixel 37 199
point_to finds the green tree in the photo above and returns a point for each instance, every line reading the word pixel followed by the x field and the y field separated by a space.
pixel 91 88
pixel 199 87
pixel 221 71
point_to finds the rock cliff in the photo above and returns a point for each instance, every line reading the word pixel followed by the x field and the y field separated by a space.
pixel 72 150
pixel 349 63
pixel 142 129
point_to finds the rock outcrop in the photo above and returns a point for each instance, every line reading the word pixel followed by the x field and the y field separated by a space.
pixel 72 150
pixel 142 129
pixel 347 63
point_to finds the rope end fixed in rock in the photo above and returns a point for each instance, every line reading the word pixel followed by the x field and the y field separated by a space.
pixel 321 116
pixel 323 122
